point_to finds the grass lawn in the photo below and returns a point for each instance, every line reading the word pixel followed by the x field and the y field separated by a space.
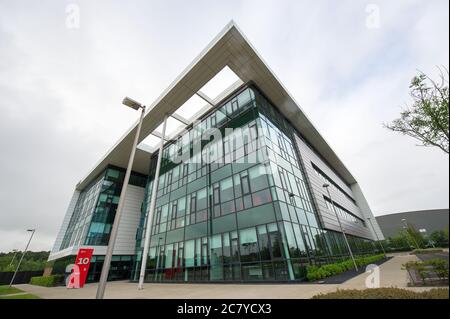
pixel 24 296
pixel 6 290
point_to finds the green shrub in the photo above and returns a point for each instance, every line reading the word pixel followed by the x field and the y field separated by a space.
pixel 440 266
pixel 321 272
pixel 385 293
pixel 426 251
pixel 47 281
pixel 426 269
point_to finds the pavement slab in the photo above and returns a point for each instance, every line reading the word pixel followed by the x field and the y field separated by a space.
pixel 391 275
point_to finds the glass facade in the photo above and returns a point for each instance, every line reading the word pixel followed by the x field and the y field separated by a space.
pixel 236 208
pixel 95 209
pixel 120 269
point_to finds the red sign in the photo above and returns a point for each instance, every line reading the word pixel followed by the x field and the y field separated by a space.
pixel 80 268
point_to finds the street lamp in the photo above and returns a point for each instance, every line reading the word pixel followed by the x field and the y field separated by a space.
pixel 23 254
pixel 112 239
pixel 376 234
pixel 406 228
pixel 326 186
pixel 151 210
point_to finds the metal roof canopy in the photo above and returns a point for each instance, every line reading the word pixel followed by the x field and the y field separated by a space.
pixel 229 48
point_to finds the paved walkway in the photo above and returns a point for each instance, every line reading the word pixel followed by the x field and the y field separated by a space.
pixel 391 275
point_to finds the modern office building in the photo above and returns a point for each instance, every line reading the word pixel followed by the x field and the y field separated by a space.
pixel 240 194
pixel 425 221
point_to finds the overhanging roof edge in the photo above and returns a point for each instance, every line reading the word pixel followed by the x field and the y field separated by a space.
pixel 122 144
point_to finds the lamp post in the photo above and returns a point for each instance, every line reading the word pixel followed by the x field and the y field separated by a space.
pixel 406 228
pixel 376 234
pixel 326 186
pixel 23 254
pixel 152 207
pixel 112 239
pixel 14 256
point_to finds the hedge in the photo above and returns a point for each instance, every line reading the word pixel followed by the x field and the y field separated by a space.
pixel 426 251
pixel 47 281
pixel 320 272
pixel 384 293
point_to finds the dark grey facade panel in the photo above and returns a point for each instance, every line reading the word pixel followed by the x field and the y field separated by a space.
pixel 327 217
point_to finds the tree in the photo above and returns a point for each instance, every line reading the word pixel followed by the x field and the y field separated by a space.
pixel 413 236
pixel 33 260
pixel 397 242
pixel 427 119
pixel 439 237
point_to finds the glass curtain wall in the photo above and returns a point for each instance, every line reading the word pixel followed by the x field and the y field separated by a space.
pixel 95 209
pixel 238 208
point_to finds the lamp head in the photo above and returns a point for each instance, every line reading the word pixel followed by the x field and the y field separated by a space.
pixel 131 103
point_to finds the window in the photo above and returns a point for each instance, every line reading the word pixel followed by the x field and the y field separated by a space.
pixel 174 209
pixel 202 203
pixel 262 197
pixel 228 207
pixel 216 267
pixel 292 245
pixel 220 116
pixel 333 185
pixel 244 98
pixel 234 247
pixel 164 213
pixel 201 216
pixel 216 249
pixel 275 240
pixel 204 251
pixel 226 189
pixel 189 253
pixel 234 105
pixel 112 173
pixel 342 212
pixel 263 241
pixel 248 244
pixel 181 205
pixel 252 271
pixel 226 248
pixel 216 200
pixel 216 194
pixel 258 178
pixel 267 269
pixel 245 183
pixel 193 203
pixel 237 185
pixel 179 222
pixel 169 256
pixel 300 242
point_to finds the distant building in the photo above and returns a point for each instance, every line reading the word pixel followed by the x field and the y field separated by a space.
pixel 425 221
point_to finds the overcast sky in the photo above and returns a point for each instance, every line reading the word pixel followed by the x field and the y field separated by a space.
pixel 347 63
